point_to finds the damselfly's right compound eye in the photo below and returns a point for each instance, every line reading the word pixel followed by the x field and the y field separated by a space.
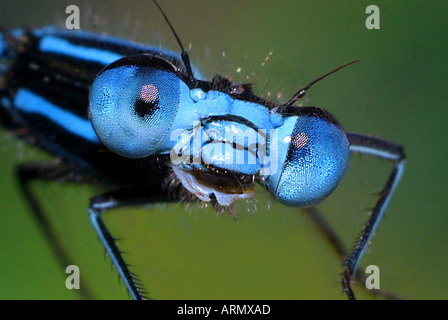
pixel 133 103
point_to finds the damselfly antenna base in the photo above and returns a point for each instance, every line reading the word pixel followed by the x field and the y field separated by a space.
pixel 184 54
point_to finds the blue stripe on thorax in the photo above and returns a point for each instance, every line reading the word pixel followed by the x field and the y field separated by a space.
pixel 64 47
pixel 29 102
pixel 58 41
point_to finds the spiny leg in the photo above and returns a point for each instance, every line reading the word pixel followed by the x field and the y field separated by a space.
pixel 360 143
pixel 133 196
pixel 50 171
pixel 339 248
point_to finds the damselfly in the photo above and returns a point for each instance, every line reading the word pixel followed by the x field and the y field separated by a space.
pixel 142 122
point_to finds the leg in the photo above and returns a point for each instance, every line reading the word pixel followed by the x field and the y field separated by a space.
pixel 26 173
pixel 125 197
pixel 389 151
pixel 338 246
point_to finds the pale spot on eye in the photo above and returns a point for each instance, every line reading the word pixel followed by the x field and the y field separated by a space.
pixel 149 93
pixel 300 140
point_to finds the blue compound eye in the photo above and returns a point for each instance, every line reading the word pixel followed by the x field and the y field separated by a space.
pixel 311 163
pixel 133 103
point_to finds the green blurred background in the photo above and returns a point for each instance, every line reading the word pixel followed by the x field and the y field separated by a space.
pixel 398 91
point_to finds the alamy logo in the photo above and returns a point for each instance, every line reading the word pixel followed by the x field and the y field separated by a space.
pixel 373 20
pixel 72 281
pixel 72 21
pixel 373 280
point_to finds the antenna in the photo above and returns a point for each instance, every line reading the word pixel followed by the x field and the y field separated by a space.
pixel 184 54
pixel 301 93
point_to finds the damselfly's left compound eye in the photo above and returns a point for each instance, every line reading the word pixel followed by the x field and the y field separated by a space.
pixel 312 158
pixel 133 103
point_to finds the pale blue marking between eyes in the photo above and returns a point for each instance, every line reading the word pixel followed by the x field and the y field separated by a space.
pixel 29 102
pixel 64 47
